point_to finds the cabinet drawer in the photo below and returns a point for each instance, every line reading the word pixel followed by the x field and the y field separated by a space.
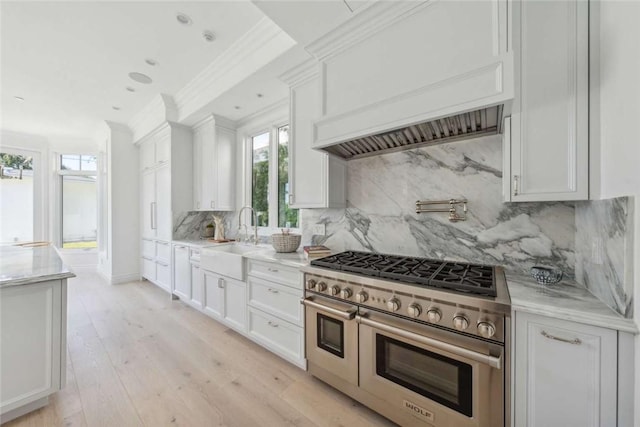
pixel 148 269
pixel 281 301
pixel 163 251
pixel 163 275
pixel 277 335
pixel 148 248
pixel 194 255
pixel 278 273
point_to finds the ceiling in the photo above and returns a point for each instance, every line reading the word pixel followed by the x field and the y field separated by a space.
pixel 70 60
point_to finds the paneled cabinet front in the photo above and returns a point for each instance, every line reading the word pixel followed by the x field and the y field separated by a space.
pixel 547 140
pixel 214 174
pixel 565 373
pixel 316 179
pixel 225 300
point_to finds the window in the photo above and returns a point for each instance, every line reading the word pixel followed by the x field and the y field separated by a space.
pixel 16 198
pixel 270 179
pixel 79 201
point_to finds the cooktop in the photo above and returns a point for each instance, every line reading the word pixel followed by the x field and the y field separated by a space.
pixel 471 278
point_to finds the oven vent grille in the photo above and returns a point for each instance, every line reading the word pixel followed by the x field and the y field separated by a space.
pixel 472 124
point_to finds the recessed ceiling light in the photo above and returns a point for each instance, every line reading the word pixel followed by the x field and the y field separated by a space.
pixel 130 89
pixel 116 108
pixel 140 78
pixel 151 62
pixel 237 107
pixel 259 95
pixel 19 98
pixel 208 35
pixel 184 19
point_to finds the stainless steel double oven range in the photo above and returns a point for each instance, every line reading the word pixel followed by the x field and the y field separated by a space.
pixel 423 342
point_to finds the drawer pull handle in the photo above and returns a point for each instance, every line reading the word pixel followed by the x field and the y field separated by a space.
pixel 272 324
pixel 273 270
pixel 575 341
pixel 273 291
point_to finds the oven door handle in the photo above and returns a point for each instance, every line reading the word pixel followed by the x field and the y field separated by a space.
pixel 494 362
pixel 347 315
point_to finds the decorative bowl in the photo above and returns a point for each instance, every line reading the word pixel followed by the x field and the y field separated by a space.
pixel 546 275
pixel 285 242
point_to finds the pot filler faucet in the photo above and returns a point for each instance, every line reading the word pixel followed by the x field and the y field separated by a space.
pixel 255 221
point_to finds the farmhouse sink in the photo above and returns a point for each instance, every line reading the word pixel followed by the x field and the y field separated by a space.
pixel 227 260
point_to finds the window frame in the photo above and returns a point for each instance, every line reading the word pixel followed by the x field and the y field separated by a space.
pixel 272 196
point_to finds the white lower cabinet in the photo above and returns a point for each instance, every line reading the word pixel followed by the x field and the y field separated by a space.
pixel 225 300
pixel 196 286
pixel 565 373
pixel 277 335
pixel 156 262
pixel 181 272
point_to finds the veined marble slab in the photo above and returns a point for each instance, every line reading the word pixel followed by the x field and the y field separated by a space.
pixel 23 266
pixel 566 300
pixel 291 259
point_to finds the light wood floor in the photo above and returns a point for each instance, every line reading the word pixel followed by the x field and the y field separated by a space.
pixel 137 358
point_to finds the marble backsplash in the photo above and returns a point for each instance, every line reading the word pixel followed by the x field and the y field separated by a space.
pixel 191 225
pixel 604 251
pixel 380 216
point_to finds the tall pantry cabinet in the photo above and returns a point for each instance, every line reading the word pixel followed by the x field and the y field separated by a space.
pixel 166 161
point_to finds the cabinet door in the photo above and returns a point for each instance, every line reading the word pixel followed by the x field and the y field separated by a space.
pixel 163 214
pixel 31 333
pixel 307 167
pixel 565 373
pixel 213 294
pixel 197 170
pixel 549 125
pixel 149 269
pixel 181 272
pixel 147 155
pixel 205 134
pixel 196 286
pixel 163 147
pixel 235 303
pixel 225 171
pixel 148 204
pixel 163 275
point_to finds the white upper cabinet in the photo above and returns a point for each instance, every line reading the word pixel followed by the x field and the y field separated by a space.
pixel 316 179
pixel 399 63
pixel 214 173
pixel 549 141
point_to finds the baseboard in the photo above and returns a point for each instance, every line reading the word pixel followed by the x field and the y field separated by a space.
pixel 119 278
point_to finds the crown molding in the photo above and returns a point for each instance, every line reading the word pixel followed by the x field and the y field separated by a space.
pixel 301 73
pixel 264 42
pixel 162 108
pixel 366 22
pixel 275 109
pixel 217 121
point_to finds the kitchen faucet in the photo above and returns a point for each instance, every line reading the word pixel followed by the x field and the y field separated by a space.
pixel 255 222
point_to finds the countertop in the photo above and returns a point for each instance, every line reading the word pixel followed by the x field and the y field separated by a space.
pixel 22 266
pixel 199 243
pixel 268 254
pixel 566 300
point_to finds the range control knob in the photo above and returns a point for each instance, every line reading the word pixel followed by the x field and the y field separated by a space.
pixel 460 322
pixel 486 329
pixel 362 297
pixel 334 290
pixel 345 293
pixel 434 315
pixel 311 284
pixel 321 286
pixel 414 310
pixel 393 304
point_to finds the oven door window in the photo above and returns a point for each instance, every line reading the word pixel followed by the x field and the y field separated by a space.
pixel 330 335
pixel 434 376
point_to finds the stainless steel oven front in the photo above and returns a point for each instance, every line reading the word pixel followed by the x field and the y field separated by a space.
pixel 439 377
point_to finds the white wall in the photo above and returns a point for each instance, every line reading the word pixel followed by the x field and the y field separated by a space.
pixel 617 88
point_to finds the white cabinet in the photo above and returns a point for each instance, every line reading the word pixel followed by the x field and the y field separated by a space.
pixel 565 373
pixel 316 179
pixel 548 144
pixel 196 286
pixel 399 63
pixel 214 173
pixel 166 159
pixel 33 334
pixel 275 313
pixel 181 272
pixel 225 300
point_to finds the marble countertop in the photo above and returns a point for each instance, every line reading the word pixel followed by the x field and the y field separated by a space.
pixel 566 300
pixel 22 266
pixel 268 254
pixel 200 243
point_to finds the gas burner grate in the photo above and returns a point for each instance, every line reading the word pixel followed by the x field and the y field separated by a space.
pixel 462 277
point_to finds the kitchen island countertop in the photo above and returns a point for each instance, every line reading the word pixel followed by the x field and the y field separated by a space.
pixel 566 300
pixel 24 265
